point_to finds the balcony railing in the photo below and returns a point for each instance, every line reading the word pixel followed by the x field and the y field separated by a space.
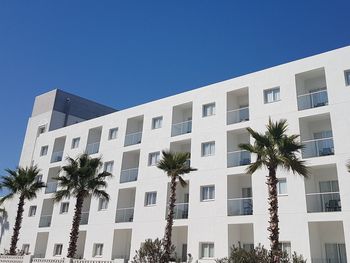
pixel 51 187
pixel 240 206
pixel 56 156
pixel 181 211
pixel 313 100
pixel 129 175
pixel 238 115
pixel 323 202
pixel 133 138
pixel 318 147
pixel 84 218
pixel 45 221
pixel 92 148
pixel 124 215
pixel 181 128
pixel 329 260
pixel 238 158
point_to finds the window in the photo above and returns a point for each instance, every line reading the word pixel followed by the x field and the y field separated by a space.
pixel 43 150
pixel 64 207
pixel 157 123
pixel 282 186
pixel 41 129
pixel 25 249
pixel 102 204
pixel 57 250
pixel 207 193
pixel 347 77
pixel 98 250
pixel 208 110
pixel 112 133
pixel 285 246
pixel 153 158
pixel 150 198
pixel 208 148
pixel 75 143
pixel 272 95
pixel 108 167
pixel 32 210
pixel 207 250
pixel 39 178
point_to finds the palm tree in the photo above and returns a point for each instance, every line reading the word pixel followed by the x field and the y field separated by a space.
pixel 80 178
pixel 22 182
pixel 275 149
pixel 175 165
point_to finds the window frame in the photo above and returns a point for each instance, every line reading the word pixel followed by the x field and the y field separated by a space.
pixel 31 208
pixel 44 150
pixel 150 163
pixel 25 248
pixel 203 147
pixel 57 245
pixel 152 199
pixel 102 204
pixel 202 199
pixel 112 133
pixel 106 165
pixel 213 110
pixel 153 126
pixel 266 91
pixel 75 143
pixel 63 205
pixel 284 181
pixel 202 256
pixel 95 255
pixel 41 129
pixel 347 77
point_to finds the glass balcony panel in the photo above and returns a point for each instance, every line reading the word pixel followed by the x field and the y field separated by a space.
pixel 313 100
pixel 181 128
pixel 51 187
pixel 240 206
pixel 323 202
pixel 124 215
pixel 92 148
pixel 318 147
pixel 238 158
pixel 238 115
pixel 181 211
pixel 45 221
pixel 133 138
pixel 129 175
pixel 56 156
pixel 84 218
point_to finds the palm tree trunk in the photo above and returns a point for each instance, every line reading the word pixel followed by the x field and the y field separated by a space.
pixel 17 227
pixel 74 233
pixel 170 219
pixel 273 210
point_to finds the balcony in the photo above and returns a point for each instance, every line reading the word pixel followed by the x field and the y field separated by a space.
pixel 124 215
pixel 84 218
pixel 181 211
pixel 129 175
pixel 238 115
pixel 240 206
pixel 56 156
pixel 92 148
pixel 323 202
pixel 133 138
pixel 318 147
pixel 51 187
pixel 45 221
pixel 238 158
pixel 312 100
pixel 181 128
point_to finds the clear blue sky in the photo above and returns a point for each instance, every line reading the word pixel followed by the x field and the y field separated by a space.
pixel 126 53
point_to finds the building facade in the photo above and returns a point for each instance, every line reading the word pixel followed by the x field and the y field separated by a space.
pixel 221 205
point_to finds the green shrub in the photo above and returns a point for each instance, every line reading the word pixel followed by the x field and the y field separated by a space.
pixel 151 251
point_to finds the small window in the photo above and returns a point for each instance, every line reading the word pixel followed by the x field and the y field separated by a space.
pixel 25 249
pixel 282 186
pixel 102 204
pixel 207 250
pixel 39 178
pixel 64 208
pixel 98 250
pixel 108 167
pixel 150 198
pixel 286 247
pixel 112 133
pixel 43 150
pixel 153 158
pixel 41 129
pixel 57 251
pixel 272 95
pixel 208 148
pixel 157 122
pixel 347 77
pixel 207 193
pixel 75 143
pixel 208 110
pixel 32 210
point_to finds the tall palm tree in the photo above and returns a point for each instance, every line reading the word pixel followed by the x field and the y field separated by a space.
pixel 275 149
pixel 20 182
pixel 174 165
pixel 80 178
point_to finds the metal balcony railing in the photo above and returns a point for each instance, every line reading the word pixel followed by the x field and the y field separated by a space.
pixel 240 206
pixel 313 100
pixel 318 147
pixel 129 175
pixel 238 158
pixel 124 215
pixel 133 138
pixel 92 148
pixel 323 202
pixel 181 128
pixel 238 115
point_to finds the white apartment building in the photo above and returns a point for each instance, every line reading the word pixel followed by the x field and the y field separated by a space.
pixel 222 205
